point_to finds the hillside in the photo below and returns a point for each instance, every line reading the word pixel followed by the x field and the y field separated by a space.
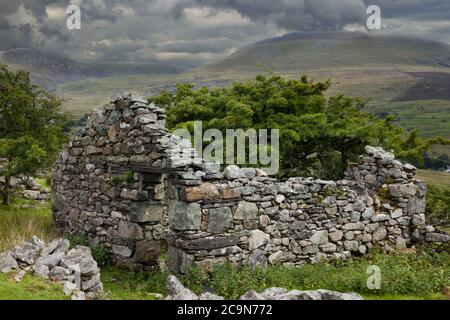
pixel 405 76
pixel 299 51
pixel 50 70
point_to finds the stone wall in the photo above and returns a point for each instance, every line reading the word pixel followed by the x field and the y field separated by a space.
pixel 248 218
pixel 109 182
pixel 206 216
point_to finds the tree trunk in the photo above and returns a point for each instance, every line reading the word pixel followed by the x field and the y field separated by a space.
pixel 6 192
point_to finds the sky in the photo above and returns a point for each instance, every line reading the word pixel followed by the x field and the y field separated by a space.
pixel 192 32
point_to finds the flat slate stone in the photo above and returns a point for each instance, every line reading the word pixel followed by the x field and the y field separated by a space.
pixel 209 243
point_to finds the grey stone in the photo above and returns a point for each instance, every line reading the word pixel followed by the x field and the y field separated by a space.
pixel 183 216
pixel 332 295
pixel 220 220
pixel 354 226
pixel 336 235
pixel 251 295
pixel 328 248
pixel 257 258
pixel 26 252
pixel 80 257
pixel 208 243
pixel 51 260
pixel 69 288
pixel 54 246
pixel 179 261
pixel 355 216
pixel 78 296
pixel 380 217
pixel 91 282
pixel 147 252
pixel 379 234
pixel 437 237
pixel 248 173
pixel 257 239
pixel 403 190
pixel 41 270
pixel 7 263
pixel 146 213
pixel 246 210
pixel 351 245
pixel 320 237
pixel 208 296
pixel 176 291
pixel 129 230
pixel 59 273
pixel 232 172
pixel 122 251
pixel 281 256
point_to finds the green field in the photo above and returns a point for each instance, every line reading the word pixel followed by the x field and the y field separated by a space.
pixel 440 179
pixel 83 96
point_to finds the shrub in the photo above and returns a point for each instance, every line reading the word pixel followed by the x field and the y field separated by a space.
pixel 438 205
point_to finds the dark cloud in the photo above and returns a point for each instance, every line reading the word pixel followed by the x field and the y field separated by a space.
pixel 296 14
pixel 197 31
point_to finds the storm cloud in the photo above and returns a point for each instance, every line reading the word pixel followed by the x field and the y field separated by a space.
pixel 191 32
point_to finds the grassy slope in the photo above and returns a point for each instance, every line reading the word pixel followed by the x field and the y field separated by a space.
pixel 439 179
pixel 86 95
pixel 22 220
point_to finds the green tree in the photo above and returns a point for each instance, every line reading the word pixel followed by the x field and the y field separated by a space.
pixel 31 128
pixel 318 134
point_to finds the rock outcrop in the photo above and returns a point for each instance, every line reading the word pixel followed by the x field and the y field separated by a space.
pixel 75 268
pixel 176 291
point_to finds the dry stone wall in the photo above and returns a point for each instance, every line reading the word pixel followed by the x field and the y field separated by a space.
pixel 206 216
pixel 109 182
pixel 248 218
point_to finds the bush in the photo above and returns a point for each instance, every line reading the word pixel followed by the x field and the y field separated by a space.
pixel 438 205
pixel 318 134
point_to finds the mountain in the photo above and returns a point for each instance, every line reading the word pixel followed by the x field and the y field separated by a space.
pixel 47 69
pixel 300 52
pixel 404 76
pixel 50 70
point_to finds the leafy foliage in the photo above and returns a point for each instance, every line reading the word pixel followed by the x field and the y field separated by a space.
pixel 438 205
pixel 401 274
pixel 31 127
pixel 124 178
pixel 318 134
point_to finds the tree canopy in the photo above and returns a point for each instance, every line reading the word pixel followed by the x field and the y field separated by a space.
pixel 318 135
pixel 31 127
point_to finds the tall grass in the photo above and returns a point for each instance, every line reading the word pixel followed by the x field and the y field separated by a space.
pixel 21 220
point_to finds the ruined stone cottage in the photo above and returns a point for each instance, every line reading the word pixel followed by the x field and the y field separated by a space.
pixel 120 183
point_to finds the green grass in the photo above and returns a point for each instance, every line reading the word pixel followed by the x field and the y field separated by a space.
pixel 123 285
pixel 85 95
pixel 43 182
pixel 30 288
pixel 403 274
pixel 21 220
pixel 437 178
